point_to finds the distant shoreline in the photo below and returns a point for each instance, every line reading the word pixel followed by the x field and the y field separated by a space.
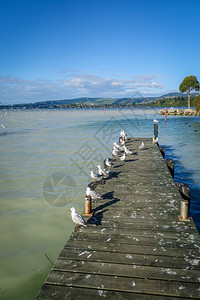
pixel 167 100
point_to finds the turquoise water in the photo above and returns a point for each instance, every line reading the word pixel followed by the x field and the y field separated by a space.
pixel 46 156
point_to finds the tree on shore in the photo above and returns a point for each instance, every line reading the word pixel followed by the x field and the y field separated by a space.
pixel 197 103
pixel 189 84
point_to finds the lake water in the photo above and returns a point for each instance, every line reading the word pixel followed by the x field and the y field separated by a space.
pixel 46 156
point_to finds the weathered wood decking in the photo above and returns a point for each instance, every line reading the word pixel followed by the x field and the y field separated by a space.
pixel 134 247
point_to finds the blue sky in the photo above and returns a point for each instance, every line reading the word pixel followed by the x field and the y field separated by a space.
pixel 60 49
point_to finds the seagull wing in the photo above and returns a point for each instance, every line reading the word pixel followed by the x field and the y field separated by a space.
pixel 78 219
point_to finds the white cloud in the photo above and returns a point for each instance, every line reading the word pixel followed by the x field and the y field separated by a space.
pixel 18 90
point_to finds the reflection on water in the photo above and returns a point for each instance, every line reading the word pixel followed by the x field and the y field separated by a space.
pixel 46 157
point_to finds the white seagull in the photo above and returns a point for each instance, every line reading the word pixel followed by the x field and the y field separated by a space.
pixel 118 147
pixel 127 151
pixel 141 147
pixel 92 194
pixel 108 163
pixel 115 151
pixel 122 158
pixel 76 218
pixel 155 140
pixel 156 121
pixel 101 171
pixel 121 141
pixel 95 175
pixel 123 134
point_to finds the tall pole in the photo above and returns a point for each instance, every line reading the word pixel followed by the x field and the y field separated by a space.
pixel 165 114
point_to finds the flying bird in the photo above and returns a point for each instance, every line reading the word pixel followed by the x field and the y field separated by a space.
pixel 156 121
pixel 76 218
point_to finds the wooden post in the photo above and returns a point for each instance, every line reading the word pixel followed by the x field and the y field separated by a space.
pixel 162 150
pixel 165 114
pixel 155 131
pixel 88 206
pixel 184 211
pixel 184 190
pixel 170 165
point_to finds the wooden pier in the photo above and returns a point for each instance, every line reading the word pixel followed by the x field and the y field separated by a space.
pixel 134 246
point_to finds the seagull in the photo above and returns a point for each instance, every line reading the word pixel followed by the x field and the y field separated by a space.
pixel 92 185
pixel 115 151
pixel 76 218
pixel 108 163
pixel 156 121
pixel 123 134
pixel 92 194
pixel 122 158
pixel 126 150
pixel 121 141
pixel 119 147
pixel 104 172
pixel 141 147
pixel 101 171
pixel 95 175
pixel 155 140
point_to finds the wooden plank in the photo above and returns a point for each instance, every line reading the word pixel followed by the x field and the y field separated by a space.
pixel 130 258
pixel 132 285
pixel 115 269
pixel 128 239
pixel 132 248
pixel 56 292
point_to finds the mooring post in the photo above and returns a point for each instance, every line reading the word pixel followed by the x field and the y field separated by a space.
pixel 184 190
pixel 88 206
pixel 155 131
pixel 165 114
pixel 184 215
pixel 170 164
pixel 162 150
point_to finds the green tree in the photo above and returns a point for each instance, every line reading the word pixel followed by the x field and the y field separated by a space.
pixel 189 84
pixel 197 103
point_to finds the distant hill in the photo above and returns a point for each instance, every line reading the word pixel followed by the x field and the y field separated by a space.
pixel 92 102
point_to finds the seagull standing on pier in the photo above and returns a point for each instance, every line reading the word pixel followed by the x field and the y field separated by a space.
pixel 121 141
pixel 115 151
pixel 92 194
pixel 122 158
pixel 123 134
pixel 95 175
pixel 118 147
pixel 76 218
pixel 108 163
pixel 101 171
pixel 141 147
pixel 127 151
